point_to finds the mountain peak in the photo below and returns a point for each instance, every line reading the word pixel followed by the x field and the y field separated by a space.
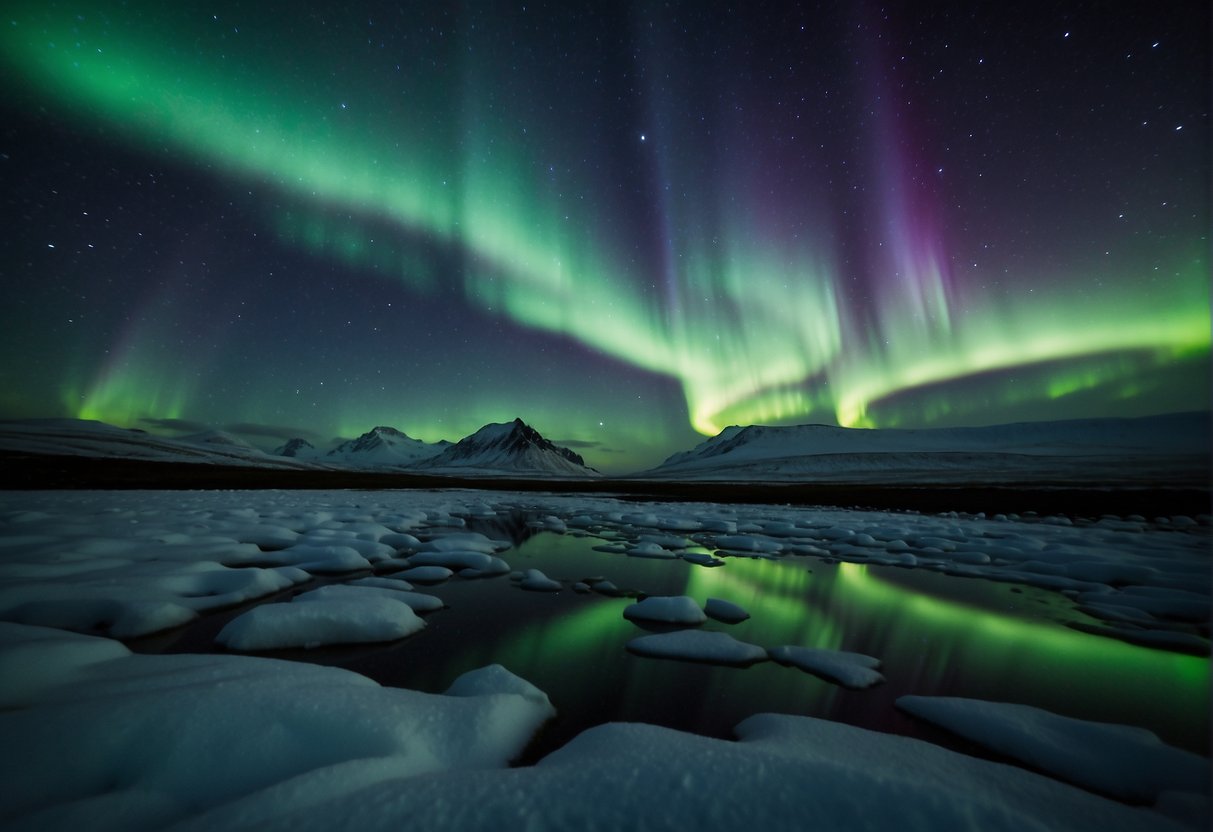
pixel 384 445
pixel 385 430
pixel 511 446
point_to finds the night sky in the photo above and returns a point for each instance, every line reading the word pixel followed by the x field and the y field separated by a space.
pixel 631 224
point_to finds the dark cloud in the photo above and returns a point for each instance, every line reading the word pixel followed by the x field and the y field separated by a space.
pixel 577 443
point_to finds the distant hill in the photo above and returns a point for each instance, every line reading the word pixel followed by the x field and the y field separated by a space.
pixel 1156 446
pixel 1170 450
pixel 383 446
pixel 509 449
pixel 86 438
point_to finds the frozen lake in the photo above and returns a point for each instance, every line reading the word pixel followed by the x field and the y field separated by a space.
pixel 1000 609
pixel 935 634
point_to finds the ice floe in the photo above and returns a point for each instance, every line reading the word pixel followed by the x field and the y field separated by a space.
pixel 725 611
pixel 426 574
pixel 698 646
pixel 358 590
pixel 851 670
pixel 673 609
pixel 359 617
pixel 650 549
pixel 458 561
pixel 536 581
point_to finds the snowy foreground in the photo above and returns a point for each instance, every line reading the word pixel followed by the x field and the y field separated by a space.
pixel 95 736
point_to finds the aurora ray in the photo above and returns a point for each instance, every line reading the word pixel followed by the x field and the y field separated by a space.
pixel 826 244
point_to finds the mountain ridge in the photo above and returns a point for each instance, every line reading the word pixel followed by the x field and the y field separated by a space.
pixel 1163 449
pixel 1018 449
pixel 509 446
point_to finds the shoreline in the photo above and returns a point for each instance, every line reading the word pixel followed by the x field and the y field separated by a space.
pixel 36 472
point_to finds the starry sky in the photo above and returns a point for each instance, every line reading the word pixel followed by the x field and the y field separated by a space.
pixel 630 224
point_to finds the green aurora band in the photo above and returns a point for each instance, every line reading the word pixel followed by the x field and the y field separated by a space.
pixel 753 322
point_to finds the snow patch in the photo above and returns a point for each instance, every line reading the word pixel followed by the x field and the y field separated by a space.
pixel 698 646
pixel 851 670
pixel 1120 761
pixel 665 609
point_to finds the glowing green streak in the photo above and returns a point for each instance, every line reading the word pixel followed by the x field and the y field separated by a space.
pixel 781 593
pixel 167 99
pixel 347 240
pixel 573 638
pixel 122 399
pixel 1169 318
pixel 755 328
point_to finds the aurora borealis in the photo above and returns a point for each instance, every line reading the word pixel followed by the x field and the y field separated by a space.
pixel 624 223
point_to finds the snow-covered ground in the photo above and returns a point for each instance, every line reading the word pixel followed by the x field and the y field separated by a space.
pixel 1172 448
pixel 86 438
pixel 96 736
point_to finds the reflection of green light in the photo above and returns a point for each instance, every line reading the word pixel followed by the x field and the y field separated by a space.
pixel 574 637
pixel 995 638
pixel 779 597
pixel 752 320
pixel 927 643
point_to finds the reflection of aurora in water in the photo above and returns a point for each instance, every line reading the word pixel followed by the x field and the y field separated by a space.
pixel 946 636
pixel 471 182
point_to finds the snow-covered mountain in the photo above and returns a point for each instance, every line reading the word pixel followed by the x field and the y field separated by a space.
pixel 87 438
pixel 509 448
pixel 1099 449
pixel 383 446
pixel 297 447
pixel 1170 450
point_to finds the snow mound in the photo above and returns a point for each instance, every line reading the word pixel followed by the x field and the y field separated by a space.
pixel 36 659
pixel 698 646
pixel 461 541
pixel 495 679
pixel 536 581
pixel 426 574
pixel 666 609
pixel 785 774
pixel 383 581
pixel 349 619
pixel 725 611
pixel 1121 761
pixel 851 670
pixel 458 561
pixel 114 740
pixel 356 591
pixel 651 550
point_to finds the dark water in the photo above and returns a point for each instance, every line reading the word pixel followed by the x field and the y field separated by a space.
pixel 936 635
